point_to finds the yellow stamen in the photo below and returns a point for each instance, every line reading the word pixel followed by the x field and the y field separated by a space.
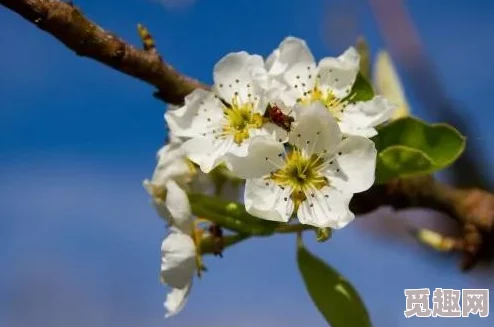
pixel 335 105
pixel 240 120
pixel 197 235
pixel 301 174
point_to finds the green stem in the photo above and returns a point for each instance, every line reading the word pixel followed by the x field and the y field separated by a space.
pixel 290 229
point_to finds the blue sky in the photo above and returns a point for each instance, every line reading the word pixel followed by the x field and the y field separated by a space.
pixel 80 243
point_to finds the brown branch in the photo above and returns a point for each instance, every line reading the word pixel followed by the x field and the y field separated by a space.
pixel 473 209
pixel 67 23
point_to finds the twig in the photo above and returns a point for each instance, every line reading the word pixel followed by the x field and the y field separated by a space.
pixel 473 209
pixel 67 23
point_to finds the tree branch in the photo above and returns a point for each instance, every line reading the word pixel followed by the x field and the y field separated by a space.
pixel 67 23
pixel 473 209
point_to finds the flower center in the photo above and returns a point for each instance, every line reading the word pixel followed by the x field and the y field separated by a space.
pixel 240 119
pixel 301 174
pixel 335 105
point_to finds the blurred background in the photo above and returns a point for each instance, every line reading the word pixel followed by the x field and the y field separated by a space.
pixel 80 244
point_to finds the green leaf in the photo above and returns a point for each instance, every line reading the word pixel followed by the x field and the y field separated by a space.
pixel 230 215
pixel 361 90
pixel 335 298
pixel 410 147
pixel 208 243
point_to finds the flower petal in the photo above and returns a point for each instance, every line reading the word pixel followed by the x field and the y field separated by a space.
pixel 294 61
pixel 264 157
pixel 339 74
pixel 291 50
pixel 172 164
pixel 276 132
pixel 315 131
pixel 177 203
pixel 355 166
pixel 359 118
pixel 197 116
pixel 178 255
pixel 208 152
pixel 264 199
pixel 326 208
pixel 176 300
pixel 239 74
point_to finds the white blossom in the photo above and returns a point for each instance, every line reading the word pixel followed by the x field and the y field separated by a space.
pixel 224 120
pixel 180 257
pixel 329 82
pixel 316 178
pixel 178 265
pixel 173 171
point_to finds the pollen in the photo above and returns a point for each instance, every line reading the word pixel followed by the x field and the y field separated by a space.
pixel 240 119
pixel 301 173
pixel 335 105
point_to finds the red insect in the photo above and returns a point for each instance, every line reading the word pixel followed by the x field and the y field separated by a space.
pixel 277 117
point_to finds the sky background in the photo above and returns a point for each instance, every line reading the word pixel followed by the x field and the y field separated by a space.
pixel 79 242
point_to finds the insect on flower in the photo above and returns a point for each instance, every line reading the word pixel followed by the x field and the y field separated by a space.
pixel 277 117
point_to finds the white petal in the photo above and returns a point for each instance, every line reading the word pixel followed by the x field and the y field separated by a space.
pixel 315 131
pixel 339 74
pixel 276 132
pixel 176 300
pixel 200 112
pixel 272 62
pixel 360 118
pixel 355 165
pixel 172 164
pixel 348 129
pixel 265 156
pixel 178 255
pixel 264 199
pixel 239 74
pixel 207 152
pixel 326 208
pixel 290 51
pixel 296 64
pixel 178 206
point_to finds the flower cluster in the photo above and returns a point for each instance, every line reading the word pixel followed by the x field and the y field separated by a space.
pixel 295 130
pixel 290 127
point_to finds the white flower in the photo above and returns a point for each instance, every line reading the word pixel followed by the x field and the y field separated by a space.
pixel 225 120
pixel 329 82
pixel 178 265
pixel 180 257
pixel 173 172
pixel 316 178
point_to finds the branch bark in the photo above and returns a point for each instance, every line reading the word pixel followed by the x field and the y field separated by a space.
pixel 472 208
pixel 67 23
